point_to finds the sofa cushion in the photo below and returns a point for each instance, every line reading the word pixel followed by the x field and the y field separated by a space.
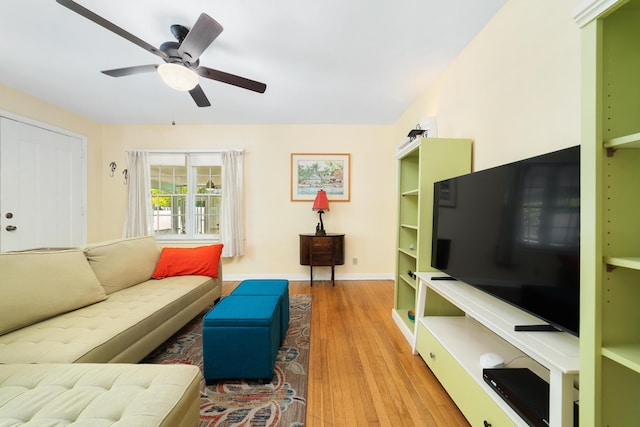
pixel 40 285
pixel 119 264
pixel 202 261
pixel 100 395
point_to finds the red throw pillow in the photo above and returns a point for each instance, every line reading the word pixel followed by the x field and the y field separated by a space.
pixel 201 261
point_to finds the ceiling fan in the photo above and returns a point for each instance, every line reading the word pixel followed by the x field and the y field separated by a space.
pixel 181 66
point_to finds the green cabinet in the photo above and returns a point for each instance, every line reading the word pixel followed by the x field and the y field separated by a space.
pixel 610 215
pixel 420 164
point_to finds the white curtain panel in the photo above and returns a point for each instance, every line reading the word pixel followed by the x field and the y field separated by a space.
pixel 139 217
pixel 232 218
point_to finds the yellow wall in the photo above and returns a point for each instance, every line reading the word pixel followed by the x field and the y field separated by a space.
pixel 514 90
pixel 272 221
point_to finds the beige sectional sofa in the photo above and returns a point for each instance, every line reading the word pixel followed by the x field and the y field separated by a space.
pixel 94 305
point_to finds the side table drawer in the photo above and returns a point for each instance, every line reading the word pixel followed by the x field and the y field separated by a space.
pixel 473 401
pixel 322 251
pixel 322 244
pixel 322 259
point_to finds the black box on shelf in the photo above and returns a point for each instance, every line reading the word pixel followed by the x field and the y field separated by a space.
pixel 524 391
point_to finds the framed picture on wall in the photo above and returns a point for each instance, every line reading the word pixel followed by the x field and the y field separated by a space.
pixel 311 172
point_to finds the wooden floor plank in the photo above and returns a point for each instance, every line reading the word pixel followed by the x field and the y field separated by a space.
pixel 361 369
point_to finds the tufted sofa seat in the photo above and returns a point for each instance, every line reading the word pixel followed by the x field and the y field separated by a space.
pixel 95 395
pixel 119 314
pixel 123 328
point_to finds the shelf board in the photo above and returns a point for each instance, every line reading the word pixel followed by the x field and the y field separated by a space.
pixel 627 141
pixel 626 262
pixel 626 355
pixel 555 350
pixel 466 340
pixel 408 280
pixel 409 226
pixel 415 192
pixel 412 254
pixel 472 340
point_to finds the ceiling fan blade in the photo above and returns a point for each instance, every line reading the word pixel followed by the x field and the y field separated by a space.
pixel 128 71
pixel 204 31
pixel 231 79
pixel 199 97
pixel 81 10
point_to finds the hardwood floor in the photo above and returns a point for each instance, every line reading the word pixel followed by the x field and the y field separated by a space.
pixel 361 370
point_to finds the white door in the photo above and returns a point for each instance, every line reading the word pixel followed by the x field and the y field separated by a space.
pixel 42 175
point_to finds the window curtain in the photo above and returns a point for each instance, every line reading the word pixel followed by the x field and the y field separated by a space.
pixel 232 219
pixel 138 219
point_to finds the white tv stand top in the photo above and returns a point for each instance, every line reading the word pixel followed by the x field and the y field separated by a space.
pixel 554 350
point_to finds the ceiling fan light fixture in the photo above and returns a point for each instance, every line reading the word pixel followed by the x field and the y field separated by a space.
pixel 178 76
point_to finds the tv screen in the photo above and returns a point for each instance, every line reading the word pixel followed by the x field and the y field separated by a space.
pixel 513 231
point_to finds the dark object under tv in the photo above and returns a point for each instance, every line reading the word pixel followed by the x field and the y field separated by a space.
pixel 513 231
pixel 523 390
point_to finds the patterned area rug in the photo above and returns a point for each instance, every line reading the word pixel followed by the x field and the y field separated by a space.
pixel 282 402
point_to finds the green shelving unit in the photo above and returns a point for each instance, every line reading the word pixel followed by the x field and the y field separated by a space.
pixel 610 215
pixel 420 164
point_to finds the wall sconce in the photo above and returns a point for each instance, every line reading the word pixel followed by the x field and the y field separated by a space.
pixel 320 204
pixel 112 167
pixel 125 173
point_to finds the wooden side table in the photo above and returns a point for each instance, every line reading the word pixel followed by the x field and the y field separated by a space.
pixel 322 251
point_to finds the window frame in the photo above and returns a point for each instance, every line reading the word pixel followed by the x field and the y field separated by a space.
pixel 191 163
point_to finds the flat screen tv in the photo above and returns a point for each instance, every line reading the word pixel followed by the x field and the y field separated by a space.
pixel 513 231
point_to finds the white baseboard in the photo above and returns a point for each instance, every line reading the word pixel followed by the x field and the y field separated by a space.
pixel 303 277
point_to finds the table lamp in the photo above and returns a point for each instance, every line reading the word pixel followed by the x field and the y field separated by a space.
pixel 320 204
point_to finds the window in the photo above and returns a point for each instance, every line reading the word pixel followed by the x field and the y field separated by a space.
pixel 186 195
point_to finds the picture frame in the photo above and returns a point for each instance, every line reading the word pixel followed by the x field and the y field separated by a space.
pixel 311 172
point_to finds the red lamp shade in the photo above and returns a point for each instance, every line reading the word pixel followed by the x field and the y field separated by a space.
pixel 321 203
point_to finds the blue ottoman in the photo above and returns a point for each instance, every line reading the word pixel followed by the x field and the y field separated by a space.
pixel 269 287
pixel 241 337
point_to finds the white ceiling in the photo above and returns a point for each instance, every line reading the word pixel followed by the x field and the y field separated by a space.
pixel 324 61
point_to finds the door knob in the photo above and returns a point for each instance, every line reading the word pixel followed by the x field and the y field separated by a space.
pixel 11 228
